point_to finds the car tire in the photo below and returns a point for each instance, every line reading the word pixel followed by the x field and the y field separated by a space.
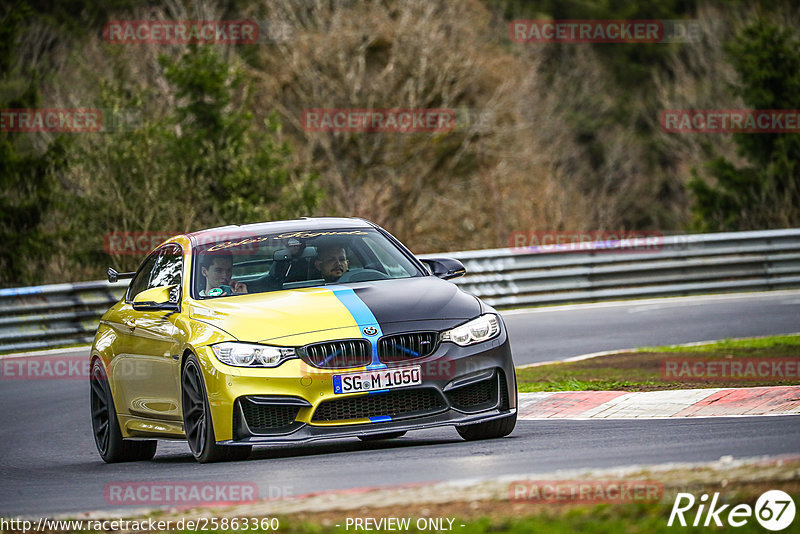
pixel 489 430
pixel 113 448
pixel 385 435
pixel 197 421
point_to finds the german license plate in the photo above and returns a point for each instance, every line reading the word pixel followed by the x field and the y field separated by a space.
pixel 374 380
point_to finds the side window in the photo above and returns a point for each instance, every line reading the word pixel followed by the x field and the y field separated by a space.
pixel 354 258
pixel 142 279
pixel 390 263
pixel 168 267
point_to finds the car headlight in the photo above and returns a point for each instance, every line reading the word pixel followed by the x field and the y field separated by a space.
pixel 251 355
pixel 483 328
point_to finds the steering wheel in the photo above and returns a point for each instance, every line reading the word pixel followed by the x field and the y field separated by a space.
pixel 362 275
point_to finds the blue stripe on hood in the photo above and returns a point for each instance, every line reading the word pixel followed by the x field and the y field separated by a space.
pixel 363 317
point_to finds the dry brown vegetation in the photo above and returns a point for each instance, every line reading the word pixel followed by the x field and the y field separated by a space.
pixel 522 163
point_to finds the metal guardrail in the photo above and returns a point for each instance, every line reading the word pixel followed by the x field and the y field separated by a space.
pixel 679 265
pixel 53 315
pixel 62 314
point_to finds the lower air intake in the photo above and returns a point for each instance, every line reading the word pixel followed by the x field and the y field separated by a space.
pixel 396 404
pixel 476 396
pixel 263 417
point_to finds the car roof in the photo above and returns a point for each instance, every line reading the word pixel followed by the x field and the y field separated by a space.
pixel 296 225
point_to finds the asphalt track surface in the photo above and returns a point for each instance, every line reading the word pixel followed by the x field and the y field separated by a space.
pixel 49 465
pixel 558 332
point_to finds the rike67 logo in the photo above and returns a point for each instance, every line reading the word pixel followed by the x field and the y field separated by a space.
pixel 774 510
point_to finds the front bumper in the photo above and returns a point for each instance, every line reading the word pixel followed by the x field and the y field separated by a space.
pixel 306 433
pixel 295 403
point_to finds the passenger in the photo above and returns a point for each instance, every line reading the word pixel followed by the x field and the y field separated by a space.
pixel 217 270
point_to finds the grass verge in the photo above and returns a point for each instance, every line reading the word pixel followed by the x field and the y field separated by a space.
pixel 646 369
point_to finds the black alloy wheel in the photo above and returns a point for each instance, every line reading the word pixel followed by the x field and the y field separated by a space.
pixel 197 421
pixel 105 426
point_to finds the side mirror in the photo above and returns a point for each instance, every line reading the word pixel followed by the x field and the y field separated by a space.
pixel 156 298
pixel 445 268
pixel 114 276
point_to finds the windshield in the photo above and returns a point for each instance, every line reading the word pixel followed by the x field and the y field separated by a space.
pixel 245 264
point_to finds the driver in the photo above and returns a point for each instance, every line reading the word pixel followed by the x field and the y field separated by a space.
pixel 331 262
pixel 217 270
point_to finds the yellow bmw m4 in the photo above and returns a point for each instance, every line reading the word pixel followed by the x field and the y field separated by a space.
pixel 289 332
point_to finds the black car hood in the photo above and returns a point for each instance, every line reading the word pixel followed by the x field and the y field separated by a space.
pixel 424 299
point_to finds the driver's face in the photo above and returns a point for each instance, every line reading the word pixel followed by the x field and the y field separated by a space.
pixel 332 264
pixel 218 273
